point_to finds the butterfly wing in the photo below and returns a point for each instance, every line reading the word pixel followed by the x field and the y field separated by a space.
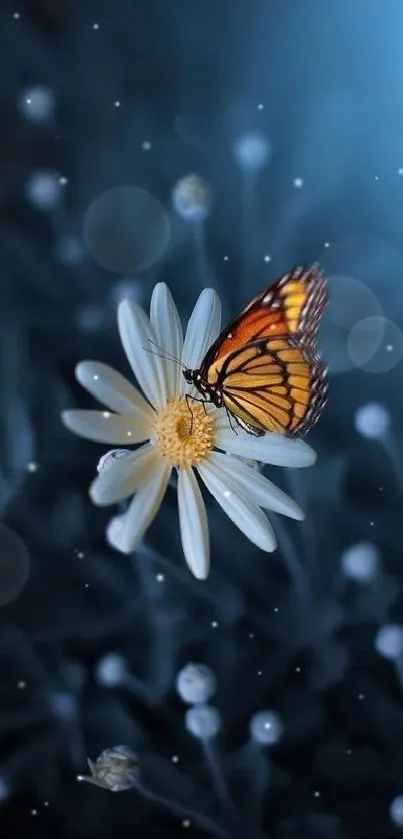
pixel 293 305
pixel 266 364
pixel 275 385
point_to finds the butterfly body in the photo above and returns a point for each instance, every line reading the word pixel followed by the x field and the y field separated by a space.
pixel 264 369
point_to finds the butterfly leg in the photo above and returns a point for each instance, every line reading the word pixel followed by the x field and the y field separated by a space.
pixel 230 421
pixel 194 399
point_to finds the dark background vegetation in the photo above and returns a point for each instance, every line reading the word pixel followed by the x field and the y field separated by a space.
pixel 189 77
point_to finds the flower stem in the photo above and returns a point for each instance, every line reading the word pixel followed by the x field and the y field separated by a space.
pixel 194 816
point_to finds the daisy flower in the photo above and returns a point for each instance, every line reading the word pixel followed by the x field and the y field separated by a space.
pixel 194 440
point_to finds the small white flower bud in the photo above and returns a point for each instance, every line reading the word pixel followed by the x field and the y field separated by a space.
pixel 115 769
pixel 195 683
pixel 396 810
pixel 389 641
pixel 372 420
pixel 360 562
pixel 111 670
pixel 203 721
pixel 252 150
pixel 192 198
pixel 266 728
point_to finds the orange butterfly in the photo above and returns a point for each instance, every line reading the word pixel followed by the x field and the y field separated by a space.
pixel 264 367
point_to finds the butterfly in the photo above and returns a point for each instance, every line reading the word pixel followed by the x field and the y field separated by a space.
pixel 264 368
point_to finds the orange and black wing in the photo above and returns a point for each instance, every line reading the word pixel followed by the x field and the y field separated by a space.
pixel 292 306
pixel 265 363
pixel 274 385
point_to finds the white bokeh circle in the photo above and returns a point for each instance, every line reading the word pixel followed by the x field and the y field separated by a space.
pixel 375 345
pixel 350 303
pixel 15 565
pixel 126 229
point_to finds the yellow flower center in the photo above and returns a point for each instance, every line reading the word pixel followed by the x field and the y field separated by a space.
pixel 184 433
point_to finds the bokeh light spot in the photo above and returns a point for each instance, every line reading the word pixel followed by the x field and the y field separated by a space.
pixel 385 339
pixel 126 229
pixel 350 303
pixel 14 565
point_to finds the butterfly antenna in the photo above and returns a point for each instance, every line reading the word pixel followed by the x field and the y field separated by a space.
pixel 164 354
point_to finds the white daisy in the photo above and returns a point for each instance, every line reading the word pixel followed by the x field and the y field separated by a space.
pixel 174 437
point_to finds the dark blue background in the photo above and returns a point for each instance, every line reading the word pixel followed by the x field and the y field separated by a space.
pixel 189 77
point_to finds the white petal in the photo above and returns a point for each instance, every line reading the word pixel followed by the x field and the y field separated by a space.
pixel 203 328
pixel 123 477
pixel 104 427
pixel 135 331
pixel 193 524
pixel 168 333
pixel 112 389
pixel 272 448
pixel 246 515
pixel 144 506
pixel 256 487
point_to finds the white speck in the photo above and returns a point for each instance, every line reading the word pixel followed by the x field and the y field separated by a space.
pixel 400 171
pixel 96 378
pixel 175 758
pixel 275 609
pixel 376 178
pixel 327 244
pixel 186 823
pixel 260 107
pixel 63 181
pixel 389 347
pixel 21 685
pixel 106 414
pixel 80 555
pixel 86 585
pixel 214 624
pixel 46 803
pixel 297 669
pixel 260 672
pixel 160 578
pixel 16 15
pixel 316 794
pixel 360 696
pixel 32 466
pixel 267 258
pixel 227 493
pixel 146 146
pixel 298 183
pixel 34 812
pixel 251 635
pixel 95 26
pixel 117 104
pixel 226 258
